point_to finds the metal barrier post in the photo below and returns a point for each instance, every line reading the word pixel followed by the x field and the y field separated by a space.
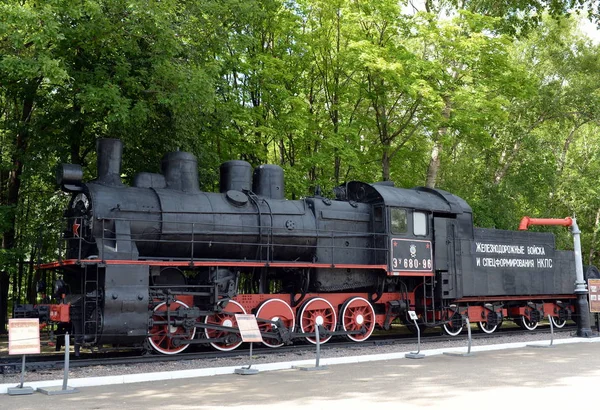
pixel 466 319
pixel 318 343
pixel 318 340
pixel 415 355
pixel 551 335
pixel 50 391
pixel 20 389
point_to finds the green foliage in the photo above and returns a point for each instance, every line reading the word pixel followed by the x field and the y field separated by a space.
pixel 497 103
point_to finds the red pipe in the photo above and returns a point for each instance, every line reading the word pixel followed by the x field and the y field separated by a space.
pixel 527 221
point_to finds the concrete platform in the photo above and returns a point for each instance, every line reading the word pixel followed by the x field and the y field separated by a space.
pixel 494 377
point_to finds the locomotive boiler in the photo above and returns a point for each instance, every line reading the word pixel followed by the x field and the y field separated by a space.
pixel 164 265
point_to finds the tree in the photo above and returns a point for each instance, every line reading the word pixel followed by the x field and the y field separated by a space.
pixel 73 73
pixel 30 72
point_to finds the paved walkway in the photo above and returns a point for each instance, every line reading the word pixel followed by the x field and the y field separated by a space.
pixel 565 376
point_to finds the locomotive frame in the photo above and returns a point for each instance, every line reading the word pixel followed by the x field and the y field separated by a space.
pixel 164 265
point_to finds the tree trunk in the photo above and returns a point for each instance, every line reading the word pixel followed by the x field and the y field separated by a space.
pixel 594 237
pixel 4 283
pixel 34 276
pixel 20 279
pixel 438 145
pixel 385 164
pixel 14 176
pixel 434 164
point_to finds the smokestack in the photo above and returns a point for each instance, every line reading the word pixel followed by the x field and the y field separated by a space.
pixel 109 152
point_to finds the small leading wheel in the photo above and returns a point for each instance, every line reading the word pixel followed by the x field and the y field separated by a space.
pixel 527 323
pixel 358 313
pixel 452 330
pixel 225 318
pixel 486 327
pixel 159 337
pixel 317 311
pixel 274 309
pixel 557 322
pixel 454 326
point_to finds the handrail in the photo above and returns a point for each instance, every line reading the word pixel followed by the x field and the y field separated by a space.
pixel 192 233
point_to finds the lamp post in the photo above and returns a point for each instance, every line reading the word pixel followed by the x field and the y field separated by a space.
pixel 583 324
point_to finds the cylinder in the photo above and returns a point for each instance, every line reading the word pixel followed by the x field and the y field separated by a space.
pixel 235 175
pixel 181 171
pixel 268 181
pixel 110 152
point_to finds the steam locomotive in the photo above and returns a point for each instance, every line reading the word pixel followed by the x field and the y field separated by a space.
pixel 164 265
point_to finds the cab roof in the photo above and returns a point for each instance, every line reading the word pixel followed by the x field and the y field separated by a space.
pixel 422 198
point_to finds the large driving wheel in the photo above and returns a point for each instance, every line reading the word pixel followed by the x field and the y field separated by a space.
pixel 225 318
pixel 357 313
pixel 162 335
pixel 317 311
pixel 273 310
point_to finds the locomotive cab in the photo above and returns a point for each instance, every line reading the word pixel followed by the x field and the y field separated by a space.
pixel 406 224
pixel 417 236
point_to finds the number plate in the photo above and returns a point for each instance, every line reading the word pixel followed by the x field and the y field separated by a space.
pixel 411 255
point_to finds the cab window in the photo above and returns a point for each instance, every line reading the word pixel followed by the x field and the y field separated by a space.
pixel 419 224
pixel 399 224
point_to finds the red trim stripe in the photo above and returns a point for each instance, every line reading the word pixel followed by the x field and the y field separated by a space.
pixel 71 262
pixel 505 298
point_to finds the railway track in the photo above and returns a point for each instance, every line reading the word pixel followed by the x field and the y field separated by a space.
pixel 55 361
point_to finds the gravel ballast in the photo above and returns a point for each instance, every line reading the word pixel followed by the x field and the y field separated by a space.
pixel 260 358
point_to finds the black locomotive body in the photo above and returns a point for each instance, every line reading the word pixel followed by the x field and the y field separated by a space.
pixel 163 263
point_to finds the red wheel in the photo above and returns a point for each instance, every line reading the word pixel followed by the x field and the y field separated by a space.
pixel 224 318
pixel 317 311
pixel 274 309
pixel 357 313
pixel 159 337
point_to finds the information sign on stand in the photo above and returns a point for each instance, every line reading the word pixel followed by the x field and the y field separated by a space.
pixel 250 333
pixel 594 292
pixel 23 336
pixel 248 328
pixel 23 339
